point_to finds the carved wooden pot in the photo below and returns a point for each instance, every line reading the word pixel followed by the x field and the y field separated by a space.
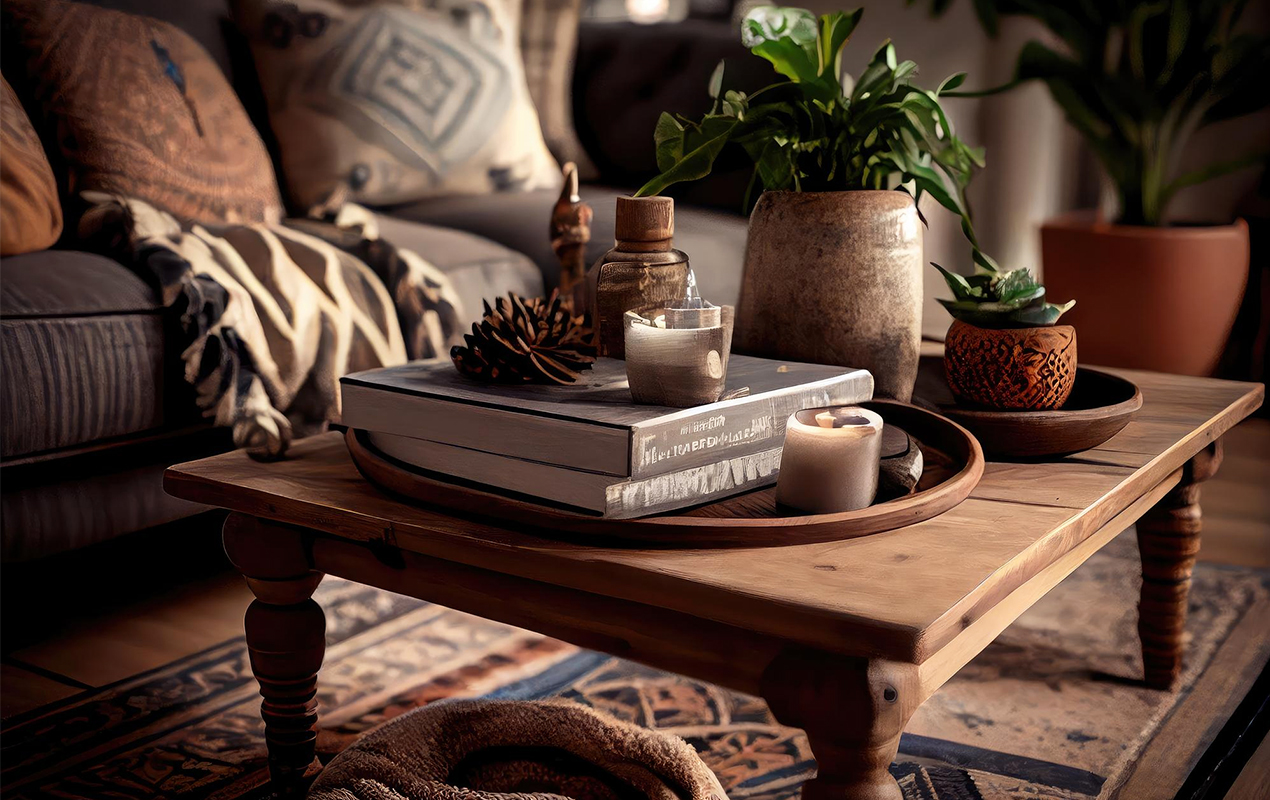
pixel 835 278
pixel 1013 368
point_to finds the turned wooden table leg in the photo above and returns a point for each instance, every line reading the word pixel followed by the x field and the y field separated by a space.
pixel 286 640
pixel 1169 539
pixel 853 711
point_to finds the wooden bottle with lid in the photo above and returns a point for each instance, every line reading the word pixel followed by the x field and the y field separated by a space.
pixel 642 272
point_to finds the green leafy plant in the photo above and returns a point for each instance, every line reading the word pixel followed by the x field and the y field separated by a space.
pixel 991 299
pixel 1137 79
pixel 818 129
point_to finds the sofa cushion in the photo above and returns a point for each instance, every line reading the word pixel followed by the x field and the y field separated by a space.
pixel 477 268
pixel 714 241
pixel 141 110
pixel 82 343
pixel 30 210
pixel 205 20
pixel 387 102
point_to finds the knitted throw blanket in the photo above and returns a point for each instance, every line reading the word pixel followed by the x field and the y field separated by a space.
pixel 271 316
pixel 509 750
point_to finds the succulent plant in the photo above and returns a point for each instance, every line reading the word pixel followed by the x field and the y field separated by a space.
pixel 995 299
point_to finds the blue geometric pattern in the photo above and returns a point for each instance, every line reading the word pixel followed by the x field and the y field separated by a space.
pixel 442 96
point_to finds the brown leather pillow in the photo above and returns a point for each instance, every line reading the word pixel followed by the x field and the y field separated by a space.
pixel 142 110
pixel 30 213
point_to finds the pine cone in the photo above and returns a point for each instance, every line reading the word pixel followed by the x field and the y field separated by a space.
pixel 527 341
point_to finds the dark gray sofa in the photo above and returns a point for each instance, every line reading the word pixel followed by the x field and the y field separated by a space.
pixel 92 402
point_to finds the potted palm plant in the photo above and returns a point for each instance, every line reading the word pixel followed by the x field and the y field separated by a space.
pixel 1137 79
pixel 833 269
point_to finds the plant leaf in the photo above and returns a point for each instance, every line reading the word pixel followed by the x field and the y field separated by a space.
pixel 1015 285
pixel 1042 314
pixel 716 81
pixel 951 82
pixel 786 37
pixel 835 30
pixel 669 139
pixel 961 288
pixel 697 160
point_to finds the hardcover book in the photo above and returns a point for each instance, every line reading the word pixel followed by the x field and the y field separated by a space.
pixel 607 495
pixel 594 426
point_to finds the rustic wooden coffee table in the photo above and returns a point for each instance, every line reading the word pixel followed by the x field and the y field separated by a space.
pixel 844 639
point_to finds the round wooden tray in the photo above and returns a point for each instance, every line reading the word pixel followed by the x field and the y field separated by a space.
pixel 1101 404
pixel 954 463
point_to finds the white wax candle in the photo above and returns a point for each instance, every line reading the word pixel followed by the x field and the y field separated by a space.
pixel 830 459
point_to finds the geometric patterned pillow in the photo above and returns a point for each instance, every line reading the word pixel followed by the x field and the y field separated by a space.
pixel 391 101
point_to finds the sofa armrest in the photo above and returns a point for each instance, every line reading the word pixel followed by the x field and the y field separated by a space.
pixel 627 74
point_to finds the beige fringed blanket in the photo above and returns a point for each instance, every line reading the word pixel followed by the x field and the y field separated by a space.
pixel 510 750
pixel 274 315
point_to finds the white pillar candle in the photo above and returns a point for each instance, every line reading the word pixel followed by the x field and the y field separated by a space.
pixel 830 460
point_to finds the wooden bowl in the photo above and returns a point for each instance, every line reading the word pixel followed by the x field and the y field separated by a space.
pixel 954 465
pixel 1099 406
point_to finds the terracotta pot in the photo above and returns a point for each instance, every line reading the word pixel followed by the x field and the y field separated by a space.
pixel 1031 369
pixel 1162 299
pixel 835 278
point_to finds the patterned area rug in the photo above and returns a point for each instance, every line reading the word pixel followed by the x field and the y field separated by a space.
pixel 1052 709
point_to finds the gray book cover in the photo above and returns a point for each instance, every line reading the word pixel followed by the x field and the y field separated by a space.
pixel 594 425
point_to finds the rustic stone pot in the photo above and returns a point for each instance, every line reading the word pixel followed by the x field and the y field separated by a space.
pixel 1032 369
pixel 1185 284
pixel 835 278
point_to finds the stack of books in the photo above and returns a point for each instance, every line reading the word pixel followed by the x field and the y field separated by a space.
pixel 589 446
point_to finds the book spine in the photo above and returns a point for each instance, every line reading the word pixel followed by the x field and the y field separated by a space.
pixel 692 486
pixel 737 428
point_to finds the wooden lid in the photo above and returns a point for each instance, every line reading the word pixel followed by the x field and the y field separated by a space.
pixel 644 219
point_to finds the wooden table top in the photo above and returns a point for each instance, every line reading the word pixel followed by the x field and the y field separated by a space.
pixel 901 595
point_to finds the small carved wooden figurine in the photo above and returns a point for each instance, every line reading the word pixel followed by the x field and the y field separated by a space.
pixel 570 232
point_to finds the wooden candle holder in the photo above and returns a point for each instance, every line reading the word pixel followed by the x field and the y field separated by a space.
pixel 681 362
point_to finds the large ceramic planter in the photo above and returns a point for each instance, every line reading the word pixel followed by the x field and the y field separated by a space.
pixel 835 278
pixel 1029 369
pixel 1161 299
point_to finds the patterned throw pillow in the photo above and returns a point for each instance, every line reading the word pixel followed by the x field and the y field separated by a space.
pixel 141 110
pixel 30 213
pixel 548 44
pixel 389 101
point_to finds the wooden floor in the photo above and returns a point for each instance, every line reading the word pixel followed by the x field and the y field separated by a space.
pixel 126 607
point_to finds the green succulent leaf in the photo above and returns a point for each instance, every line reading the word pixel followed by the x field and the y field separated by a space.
pixel 1000 299
pixel 961 288
pixel 1042 314
pixel 1017 285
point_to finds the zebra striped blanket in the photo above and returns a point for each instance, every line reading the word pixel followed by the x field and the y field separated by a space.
pixel 273 315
